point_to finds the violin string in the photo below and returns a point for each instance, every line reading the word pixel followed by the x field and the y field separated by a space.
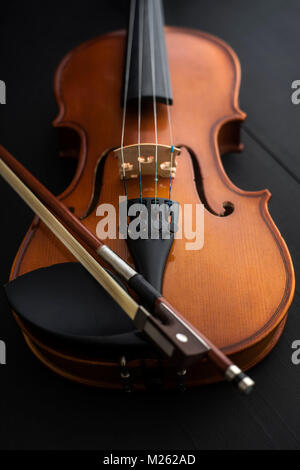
pixel 127 71
pixel 151 40
pixel 141 34
pixel 164 69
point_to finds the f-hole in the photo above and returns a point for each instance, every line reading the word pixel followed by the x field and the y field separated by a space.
pixel 228 206
pixel 97 183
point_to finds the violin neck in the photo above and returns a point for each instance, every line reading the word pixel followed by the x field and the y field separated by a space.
pixel 146 55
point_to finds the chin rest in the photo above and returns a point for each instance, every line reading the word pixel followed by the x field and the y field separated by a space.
pixel 65 304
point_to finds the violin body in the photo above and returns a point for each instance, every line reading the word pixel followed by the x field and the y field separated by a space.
pixel 236 289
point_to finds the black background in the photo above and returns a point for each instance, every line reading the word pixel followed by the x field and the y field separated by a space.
pixel 39 410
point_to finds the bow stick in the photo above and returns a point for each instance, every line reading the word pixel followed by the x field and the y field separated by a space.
pixel 167 328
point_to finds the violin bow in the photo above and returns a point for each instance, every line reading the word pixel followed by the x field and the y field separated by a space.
pixel 166 328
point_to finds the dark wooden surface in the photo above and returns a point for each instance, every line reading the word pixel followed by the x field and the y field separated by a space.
pixel 39 410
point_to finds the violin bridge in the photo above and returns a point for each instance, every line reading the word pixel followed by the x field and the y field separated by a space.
pixel 145 154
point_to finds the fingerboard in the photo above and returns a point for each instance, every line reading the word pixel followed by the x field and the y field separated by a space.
pixel 146 48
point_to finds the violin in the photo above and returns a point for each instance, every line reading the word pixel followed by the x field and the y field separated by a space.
pixel 147 115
